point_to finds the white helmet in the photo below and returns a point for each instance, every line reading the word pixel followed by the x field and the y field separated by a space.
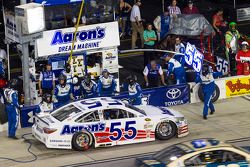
pixel 2 54
pixel 245 43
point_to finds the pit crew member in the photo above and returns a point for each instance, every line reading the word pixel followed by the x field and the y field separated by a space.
pixel 106 84
pixel 151 74
pixel 179 48
pixel 206 78
pixel 76 88
pixel 176 68
pixel 135 91
pixel 46 104
pixel 67 72
pixel 89 87
pixel 12 107
pixel 46 82
pixel 63 91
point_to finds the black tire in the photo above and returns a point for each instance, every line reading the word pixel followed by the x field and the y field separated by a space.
pixel 172 129
pixel 82 141
pixel 215 96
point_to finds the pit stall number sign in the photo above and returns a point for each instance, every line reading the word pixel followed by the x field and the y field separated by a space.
pixel 193 57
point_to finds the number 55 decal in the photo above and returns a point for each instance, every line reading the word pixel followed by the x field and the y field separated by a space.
pixel 115 128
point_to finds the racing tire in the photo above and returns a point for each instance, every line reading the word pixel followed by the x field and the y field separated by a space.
pixel 82 141
pixel 165 130
pixel 215 97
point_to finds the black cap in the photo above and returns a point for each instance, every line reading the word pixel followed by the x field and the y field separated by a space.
pixel 190 2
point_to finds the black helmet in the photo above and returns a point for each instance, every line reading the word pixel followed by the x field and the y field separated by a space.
pixel 132 79
pixel 67 67
pixel 47 98
pixel 13 83
pixel 62 77
pixel 205 69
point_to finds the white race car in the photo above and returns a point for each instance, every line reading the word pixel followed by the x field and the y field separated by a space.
pixel 102 122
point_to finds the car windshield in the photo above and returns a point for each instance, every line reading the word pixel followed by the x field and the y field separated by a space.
pixel 65 112
pixel 135 108
pixel 172 153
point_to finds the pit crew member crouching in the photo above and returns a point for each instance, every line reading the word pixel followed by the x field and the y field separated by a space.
pixel 176 68
pixel 106 84
pixel 63 91
pixel 46 105
pixel 89 87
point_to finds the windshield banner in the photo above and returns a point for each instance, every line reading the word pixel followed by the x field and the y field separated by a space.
pixel 88 37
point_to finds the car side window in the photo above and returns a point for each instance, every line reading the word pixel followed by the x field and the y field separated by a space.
pixel 89 117
pixel 109 114
pixel 216 156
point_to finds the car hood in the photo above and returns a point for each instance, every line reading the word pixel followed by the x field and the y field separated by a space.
pixel 153 111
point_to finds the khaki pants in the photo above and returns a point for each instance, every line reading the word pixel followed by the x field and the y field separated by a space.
pixel 137 29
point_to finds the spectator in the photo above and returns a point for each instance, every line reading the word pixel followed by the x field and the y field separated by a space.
pixel 180 48
pixel 12 107
pixel 161 24
pixel 125 8
pixel 175 68
pixel 106 84
pixel 63 91
pixel 190 8
pixel 149 42
pixel 219 25
pixel 134 90
pixel 46 104
pixel 231 39
pixel 151 73
pixel 67 72
pixel 136 24
pixel 243 53
pixel 89 87
pixel 46 82
pixel 173 9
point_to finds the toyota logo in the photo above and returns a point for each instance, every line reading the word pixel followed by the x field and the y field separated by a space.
pixel 173 93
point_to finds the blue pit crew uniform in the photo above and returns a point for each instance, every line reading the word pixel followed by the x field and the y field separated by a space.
pixel 153 74
pixel 77 91
pixel 2 70
pixel 12 107
pixel 63 93
pixel 180 48
pixel 89 91
pixel 178 70
pixel 208 88
pixel 106 86
pixel 135 94
pixel 47 78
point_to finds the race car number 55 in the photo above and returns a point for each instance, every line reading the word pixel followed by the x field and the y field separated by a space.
pixel 116 132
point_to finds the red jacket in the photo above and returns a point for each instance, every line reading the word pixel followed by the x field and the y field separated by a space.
pixel 242 54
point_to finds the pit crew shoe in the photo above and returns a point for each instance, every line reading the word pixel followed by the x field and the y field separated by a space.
pixel 205 117
pixel 13 137
pixel 212 112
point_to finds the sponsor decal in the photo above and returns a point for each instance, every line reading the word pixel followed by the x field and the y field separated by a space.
pixel 64 38
pixel 67 129
pixel 173 93
pixel 166 111
pixel 238 87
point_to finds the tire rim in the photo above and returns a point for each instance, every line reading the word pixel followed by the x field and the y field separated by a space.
pixel 165 129
pixel 82 140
